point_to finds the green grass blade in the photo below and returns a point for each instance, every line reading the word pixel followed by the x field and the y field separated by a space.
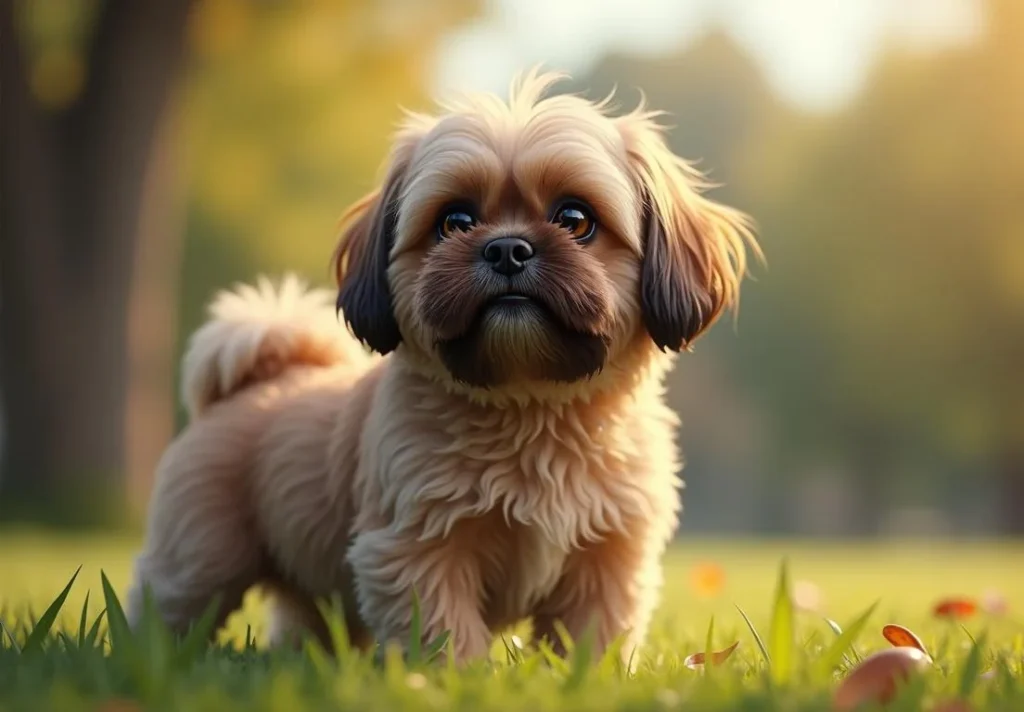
pixel 117 622
pixel 452 665
pixel 857 657
pixel 564 636
pixel 837 651
pixel 611 662
pixel 436 646
pixel 155 650
pixel 553 659
pixel 199 634
pixel 333 614
pixel 781 637
pixel 35 639
pixel 582 654
pixel 318 657
pixel 511 652
pixel 757 636
pixel 631 663
pixel 10 635
pixel 84 622
pixel 839 631
pixel 94 631
pixel 709 641
pixel 972 668
pixel 834 626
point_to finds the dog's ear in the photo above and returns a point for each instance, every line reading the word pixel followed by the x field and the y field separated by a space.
pixel 694 249
pixel 361 261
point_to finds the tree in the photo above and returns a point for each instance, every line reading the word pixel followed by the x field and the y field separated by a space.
pixel 290 112
pixel 279 114
pixel 82 171
pixel 899 238
pixel 713 92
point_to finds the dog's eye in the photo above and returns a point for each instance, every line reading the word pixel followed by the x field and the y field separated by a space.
pixel 454 221
pixel 577 219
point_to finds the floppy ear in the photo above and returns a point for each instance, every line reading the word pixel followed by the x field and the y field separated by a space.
pixel 694 251
pixel 361 265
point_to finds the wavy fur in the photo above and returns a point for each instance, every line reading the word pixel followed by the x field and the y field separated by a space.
pixel 501 464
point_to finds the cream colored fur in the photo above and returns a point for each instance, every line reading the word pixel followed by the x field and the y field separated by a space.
pixel 314 468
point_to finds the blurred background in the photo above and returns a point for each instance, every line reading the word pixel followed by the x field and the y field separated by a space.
pixel 873 384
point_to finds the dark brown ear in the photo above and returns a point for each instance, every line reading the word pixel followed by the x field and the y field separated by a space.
pixel 694 250
pixel 361 267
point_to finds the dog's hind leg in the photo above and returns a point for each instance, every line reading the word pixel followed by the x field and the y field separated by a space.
pixel 200 542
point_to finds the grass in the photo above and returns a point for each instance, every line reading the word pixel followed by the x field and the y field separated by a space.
pixel 68 648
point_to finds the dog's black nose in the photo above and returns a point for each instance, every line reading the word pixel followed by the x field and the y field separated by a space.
pixel 508 255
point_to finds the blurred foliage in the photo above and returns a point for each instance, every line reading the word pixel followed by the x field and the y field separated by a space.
pixel 55 34
pixel 289 111
pixel 896 288
pixel 886 334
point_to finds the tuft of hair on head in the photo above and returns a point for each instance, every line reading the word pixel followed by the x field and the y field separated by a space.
pixel 526 91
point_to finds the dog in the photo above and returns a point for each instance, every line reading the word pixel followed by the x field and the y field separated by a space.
pixel 489 433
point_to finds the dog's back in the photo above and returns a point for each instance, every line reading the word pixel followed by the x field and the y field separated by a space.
pixel 272 366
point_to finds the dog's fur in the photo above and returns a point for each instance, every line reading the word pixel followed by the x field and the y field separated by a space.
pixel 502 462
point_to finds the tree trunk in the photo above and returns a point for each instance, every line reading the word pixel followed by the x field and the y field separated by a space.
pixel 152 318
pixel 71 192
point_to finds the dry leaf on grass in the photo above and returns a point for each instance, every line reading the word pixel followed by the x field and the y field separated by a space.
pixel 902 637
pixel 696 661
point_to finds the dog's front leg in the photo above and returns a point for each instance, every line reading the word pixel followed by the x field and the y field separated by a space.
pixel 612 585
pixel 444 573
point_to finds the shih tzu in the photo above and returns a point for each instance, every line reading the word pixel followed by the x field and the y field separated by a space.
pixel 523 280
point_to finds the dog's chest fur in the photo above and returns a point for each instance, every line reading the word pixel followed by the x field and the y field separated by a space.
pixel 522 568
pixel 522 487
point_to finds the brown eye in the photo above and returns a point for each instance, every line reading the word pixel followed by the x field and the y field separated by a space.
pixel 454 221
pixel 577 219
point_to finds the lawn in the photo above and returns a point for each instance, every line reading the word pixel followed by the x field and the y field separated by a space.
pixel 706 581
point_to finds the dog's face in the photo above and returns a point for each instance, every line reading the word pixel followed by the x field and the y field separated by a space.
pixel 542 241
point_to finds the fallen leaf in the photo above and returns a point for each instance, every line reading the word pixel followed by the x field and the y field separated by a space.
pixel 955 608
pixel 696 661
pixel 902 637
pixel 707 579
pixel 876 678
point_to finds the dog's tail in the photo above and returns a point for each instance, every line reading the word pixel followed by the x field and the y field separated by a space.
pixel 256 332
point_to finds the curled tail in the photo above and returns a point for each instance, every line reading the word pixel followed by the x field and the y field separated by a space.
pixel 255 332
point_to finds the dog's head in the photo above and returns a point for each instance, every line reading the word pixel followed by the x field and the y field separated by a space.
pixel 540 241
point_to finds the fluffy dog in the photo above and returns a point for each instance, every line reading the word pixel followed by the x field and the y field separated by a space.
pixel 523 280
